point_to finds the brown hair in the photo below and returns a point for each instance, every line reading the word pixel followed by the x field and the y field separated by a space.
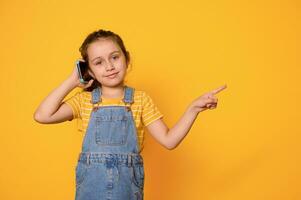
pixel 101 33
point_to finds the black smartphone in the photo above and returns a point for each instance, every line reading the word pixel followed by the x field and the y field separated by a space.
pixel 82 68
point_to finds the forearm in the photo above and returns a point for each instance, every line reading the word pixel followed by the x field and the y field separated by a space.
pixel 52 102
pixel 178 132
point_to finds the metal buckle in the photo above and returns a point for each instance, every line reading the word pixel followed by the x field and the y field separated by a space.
pixel 128 107
pixel 95 107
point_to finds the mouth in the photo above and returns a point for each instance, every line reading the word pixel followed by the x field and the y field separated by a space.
pixel 112 75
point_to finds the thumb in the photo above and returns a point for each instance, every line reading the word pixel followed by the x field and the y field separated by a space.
pixel 89 83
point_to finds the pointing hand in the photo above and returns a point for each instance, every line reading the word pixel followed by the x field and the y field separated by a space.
pixel 207 100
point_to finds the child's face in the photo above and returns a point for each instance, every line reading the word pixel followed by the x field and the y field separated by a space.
pixel 106 58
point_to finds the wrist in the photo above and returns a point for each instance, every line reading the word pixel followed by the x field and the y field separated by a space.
pixel 192 110
pixel 71 82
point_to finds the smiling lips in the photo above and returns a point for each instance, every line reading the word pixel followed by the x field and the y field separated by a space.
pixel 112 75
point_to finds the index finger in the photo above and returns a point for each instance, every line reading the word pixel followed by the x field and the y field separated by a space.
pixel 218 89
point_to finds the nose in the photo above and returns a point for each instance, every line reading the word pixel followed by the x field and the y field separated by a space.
pixel 109 66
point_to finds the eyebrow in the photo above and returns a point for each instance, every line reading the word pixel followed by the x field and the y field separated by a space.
pixel 109 54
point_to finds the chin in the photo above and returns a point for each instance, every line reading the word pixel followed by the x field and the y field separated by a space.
pixel 112 83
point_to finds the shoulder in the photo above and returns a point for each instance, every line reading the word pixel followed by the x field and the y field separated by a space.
pixel 140 96
pixel 138 93
pixel 82 95
pixel 143 97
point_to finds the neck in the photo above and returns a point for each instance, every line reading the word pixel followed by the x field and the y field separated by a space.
pixel 112 92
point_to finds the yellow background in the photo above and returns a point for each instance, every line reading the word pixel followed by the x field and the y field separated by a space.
pixel 246 148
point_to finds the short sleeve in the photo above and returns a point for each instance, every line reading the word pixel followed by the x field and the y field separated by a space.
pixel 150 111
pixel 74 103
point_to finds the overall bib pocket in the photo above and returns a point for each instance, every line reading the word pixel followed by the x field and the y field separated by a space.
pixel 80 173
pixel 138 175
pixel 111 130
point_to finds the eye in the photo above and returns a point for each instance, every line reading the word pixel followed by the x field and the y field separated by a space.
pixel 115 57
pixel 97 63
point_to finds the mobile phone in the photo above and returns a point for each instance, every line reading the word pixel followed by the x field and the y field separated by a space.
pixel 82 69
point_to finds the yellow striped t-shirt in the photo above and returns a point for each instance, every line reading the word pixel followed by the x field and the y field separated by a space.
pixel 143 108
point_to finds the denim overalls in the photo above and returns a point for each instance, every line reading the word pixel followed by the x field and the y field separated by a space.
pixel 109 165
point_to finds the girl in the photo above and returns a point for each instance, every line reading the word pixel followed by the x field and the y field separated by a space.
pixel 113 116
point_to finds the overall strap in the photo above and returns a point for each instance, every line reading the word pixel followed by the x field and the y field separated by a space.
pixel 128 97
pixel 96 94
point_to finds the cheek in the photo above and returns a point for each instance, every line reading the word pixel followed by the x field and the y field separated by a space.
pixel 98 70
pixel 122 70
